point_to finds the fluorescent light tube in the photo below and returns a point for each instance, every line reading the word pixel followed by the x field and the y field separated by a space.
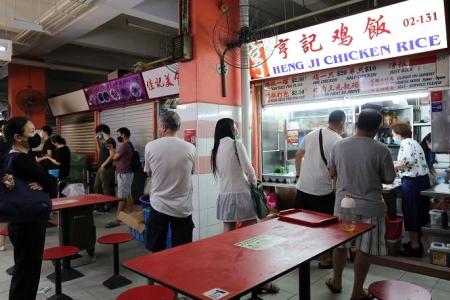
pixel 22 24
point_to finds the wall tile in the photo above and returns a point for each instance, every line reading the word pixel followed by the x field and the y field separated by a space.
pixel 203 200
pixel 214 230
pixel 212 216
pixel 203 233
pixel 196 218
pixel 196 234
pixel 203 218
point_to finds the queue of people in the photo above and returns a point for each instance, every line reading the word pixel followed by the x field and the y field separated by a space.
pixel 328 168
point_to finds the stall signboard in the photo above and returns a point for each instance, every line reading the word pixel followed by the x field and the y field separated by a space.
pixel 121 91
pixel 402 29
pixel 161 82
pixel 400 74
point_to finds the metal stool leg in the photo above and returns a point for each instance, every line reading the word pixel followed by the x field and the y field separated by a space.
pixel 58 290
pixel 117 280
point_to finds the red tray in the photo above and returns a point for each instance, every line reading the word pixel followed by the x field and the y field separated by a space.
pixel 306 217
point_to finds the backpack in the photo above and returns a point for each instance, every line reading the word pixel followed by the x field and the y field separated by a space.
pixel 135 160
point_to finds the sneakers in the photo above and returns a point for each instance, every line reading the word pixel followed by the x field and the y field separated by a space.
pixel 113 224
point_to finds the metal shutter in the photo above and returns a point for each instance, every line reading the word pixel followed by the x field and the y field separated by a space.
pixel 137 118
pixel 78 130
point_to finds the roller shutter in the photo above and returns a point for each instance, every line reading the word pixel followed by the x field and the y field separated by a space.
pixel 78 130
pixel 137 118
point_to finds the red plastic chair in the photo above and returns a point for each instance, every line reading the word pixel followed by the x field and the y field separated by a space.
pixel 115 239
pixel 148 292
pixel 56 254
pixel 398 290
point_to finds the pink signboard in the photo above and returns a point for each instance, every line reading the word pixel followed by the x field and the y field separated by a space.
pixel 121 91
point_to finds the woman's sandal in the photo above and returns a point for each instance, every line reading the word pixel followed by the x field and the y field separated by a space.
pixel 331 287
pixel 270 288
pixel 368 296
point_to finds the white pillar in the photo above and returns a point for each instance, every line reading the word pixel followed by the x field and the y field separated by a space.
pixel 246 105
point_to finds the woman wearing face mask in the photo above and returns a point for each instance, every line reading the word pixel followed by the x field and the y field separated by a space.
pixel 413 170
pixel 27 238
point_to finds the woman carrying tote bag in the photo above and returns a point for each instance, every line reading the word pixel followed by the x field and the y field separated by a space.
pixel 231 165
pixel 26 232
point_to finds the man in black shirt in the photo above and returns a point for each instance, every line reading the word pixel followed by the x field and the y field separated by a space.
pixel 48 148
pixel 105 177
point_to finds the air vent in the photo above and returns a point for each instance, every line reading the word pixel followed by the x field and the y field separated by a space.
pixel 182 48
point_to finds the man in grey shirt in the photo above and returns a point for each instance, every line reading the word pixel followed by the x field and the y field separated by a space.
pixel 361 165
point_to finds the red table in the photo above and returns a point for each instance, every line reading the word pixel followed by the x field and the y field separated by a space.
pixel 67 207
pixel 215 262
pixel 84 200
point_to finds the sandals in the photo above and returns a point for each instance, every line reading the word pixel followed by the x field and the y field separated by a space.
pixel 331 287
pixel 368 296
pixel 270 288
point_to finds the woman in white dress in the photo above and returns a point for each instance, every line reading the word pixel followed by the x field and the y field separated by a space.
pixel 231 165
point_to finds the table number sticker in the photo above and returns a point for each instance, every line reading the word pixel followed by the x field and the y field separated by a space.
pixel 261 242
pixel 216 293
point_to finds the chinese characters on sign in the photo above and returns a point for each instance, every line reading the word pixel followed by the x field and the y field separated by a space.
pixel 398 75
pixel 401 29
pixel 161 82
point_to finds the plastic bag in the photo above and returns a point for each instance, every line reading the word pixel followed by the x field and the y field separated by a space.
pixel 74 189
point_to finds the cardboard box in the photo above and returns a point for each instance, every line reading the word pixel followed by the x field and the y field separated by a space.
pixel 135 220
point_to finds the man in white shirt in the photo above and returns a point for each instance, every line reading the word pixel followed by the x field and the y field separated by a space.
pixel 314 184
pixel 170 162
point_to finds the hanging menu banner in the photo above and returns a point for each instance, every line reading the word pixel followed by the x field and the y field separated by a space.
pixel 402 29
pixel 396 75
pixel 162 82
pixel 116 92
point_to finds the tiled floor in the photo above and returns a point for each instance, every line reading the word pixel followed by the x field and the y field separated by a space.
pixel 90 287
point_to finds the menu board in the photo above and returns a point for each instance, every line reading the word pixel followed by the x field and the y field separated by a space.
pixel 121 91
pixel 392 76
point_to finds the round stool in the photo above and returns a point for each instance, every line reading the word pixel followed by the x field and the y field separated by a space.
pixel 115 239
pixel 148 292
pixel 398 290
pixel 56 254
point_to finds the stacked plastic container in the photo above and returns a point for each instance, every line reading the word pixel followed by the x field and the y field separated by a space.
pixel 145 202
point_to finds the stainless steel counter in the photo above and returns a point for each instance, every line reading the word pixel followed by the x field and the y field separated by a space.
pixel 441 191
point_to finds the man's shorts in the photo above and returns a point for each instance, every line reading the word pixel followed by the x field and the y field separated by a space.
pixel 371 242
pixel 124 182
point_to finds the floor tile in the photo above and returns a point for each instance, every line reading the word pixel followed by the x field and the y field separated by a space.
pixel 426 282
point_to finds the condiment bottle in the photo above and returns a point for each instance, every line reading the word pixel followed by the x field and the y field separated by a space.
pixel 347 213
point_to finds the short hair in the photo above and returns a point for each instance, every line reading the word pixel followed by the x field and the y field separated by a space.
pixel 403 129
pixel 336 117
pixel 57 139
pixel 47 129
pixel 369 120
pixel 102 128
pixel 125 131
pixel 170 120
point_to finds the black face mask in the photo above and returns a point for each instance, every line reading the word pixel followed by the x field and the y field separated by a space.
pixel 34 141
pixel 120 139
